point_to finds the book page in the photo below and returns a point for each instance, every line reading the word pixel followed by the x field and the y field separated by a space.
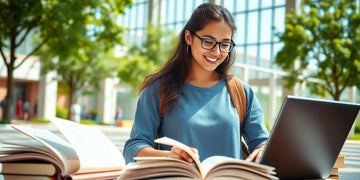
pixel 214 161
pixel 221 166
pixel 158 168
pixel 225 166
pixel 95 150
pixel 166 162
pixel 59 148
pixel 172 142
pixel 96 175
pixel 27 151
pixel 8 147
pixel 29 157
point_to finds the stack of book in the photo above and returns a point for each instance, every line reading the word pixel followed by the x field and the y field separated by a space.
pixel 83 152
pixel 339 163
pixel 214 167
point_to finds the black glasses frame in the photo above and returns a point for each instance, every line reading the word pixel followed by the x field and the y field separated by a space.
pixel 232 44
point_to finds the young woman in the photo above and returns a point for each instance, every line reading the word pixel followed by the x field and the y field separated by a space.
pixel 192 85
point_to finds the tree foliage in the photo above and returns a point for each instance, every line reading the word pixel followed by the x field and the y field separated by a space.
pixel 325 35
pixel 82 72
pixel 143 60
pixel 66 27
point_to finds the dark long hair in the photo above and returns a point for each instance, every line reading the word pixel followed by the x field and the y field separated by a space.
pixel 174 73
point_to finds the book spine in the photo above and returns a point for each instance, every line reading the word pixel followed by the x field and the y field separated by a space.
pixel 23 177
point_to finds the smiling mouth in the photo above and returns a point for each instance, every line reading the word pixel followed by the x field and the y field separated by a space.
pixel 212 60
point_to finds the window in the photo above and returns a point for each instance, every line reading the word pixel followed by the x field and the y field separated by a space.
pixel 257 23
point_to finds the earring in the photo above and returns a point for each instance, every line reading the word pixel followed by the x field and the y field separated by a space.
pixel 227 58
pixel 188 49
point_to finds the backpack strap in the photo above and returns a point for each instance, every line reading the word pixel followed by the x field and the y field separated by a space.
pixel 237 95
pixel 238 98
pixel 162 107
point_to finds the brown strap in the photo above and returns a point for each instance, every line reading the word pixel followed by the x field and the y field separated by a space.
pixel 162 107
pixel 237 95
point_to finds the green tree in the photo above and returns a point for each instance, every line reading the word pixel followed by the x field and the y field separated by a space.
pixel 80 72
pixel 327 35
pixel 153 53
pixel 63 25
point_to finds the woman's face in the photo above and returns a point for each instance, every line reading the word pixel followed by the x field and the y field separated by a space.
pixel 203 59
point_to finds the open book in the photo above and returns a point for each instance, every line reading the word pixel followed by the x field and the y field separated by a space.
pixel 215 167
pixel 83 153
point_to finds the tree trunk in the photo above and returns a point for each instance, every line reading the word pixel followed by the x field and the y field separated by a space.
pixel 71 98
pixel 9 93
pixel 337 95
pixel 10 77
pixel 69 108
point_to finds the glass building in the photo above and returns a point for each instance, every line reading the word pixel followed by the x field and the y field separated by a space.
pixel 257 21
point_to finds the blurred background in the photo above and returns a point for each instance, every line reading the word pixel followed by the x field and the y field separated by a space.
pixel 95 53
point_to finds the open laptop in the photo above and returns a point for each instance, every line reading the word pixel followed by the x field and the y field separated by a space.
pixel 308 136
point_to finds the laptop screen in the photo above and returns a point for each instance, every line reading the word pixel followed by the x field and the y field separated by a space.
pixel 307 137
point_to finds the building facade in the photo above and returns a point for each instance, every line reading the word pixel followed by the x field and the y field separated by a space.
pixel 258 22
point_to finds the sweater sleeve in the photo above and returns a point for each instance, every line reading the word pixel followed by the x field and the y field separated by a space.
pixel 145 126
pixel 254 128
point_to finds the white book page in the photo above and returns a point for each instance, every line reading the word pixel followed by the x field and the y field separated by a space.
pixel 29 156
pixel 226 163
pixel 165 163
pixel 213 161
pixel 158 167
pixel 95 150
pixel 59 148
pixel 8 148
pixel 172 142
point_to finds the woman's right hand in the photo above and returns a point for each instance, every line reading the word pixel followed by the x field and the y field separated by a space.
pixel 178 153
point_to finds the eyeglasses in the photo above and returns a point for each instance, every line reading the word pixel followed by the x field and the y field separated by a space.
pixel 209 44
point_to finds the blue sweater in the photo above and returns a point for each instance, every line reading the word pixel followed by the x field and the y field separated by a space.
pixel 205 118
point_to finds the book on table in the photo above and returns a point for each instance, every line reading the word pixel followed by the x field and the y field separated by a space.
pixel 214 167
pixel 82 152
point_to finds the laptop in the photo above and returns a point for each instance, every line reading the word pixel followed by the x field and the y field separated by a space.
pixel 308 136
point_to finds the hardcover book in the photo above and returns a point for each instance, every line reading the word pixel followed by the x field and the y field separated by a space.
pixel 215 167
pixel 83 152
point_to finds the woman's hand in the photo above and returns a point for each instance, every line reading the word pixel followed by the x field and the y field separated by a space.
pixel 256 154
pixel 178 153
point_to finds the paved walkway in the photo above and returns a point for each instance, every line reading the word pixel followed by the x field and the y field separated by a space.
pixel 120 135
